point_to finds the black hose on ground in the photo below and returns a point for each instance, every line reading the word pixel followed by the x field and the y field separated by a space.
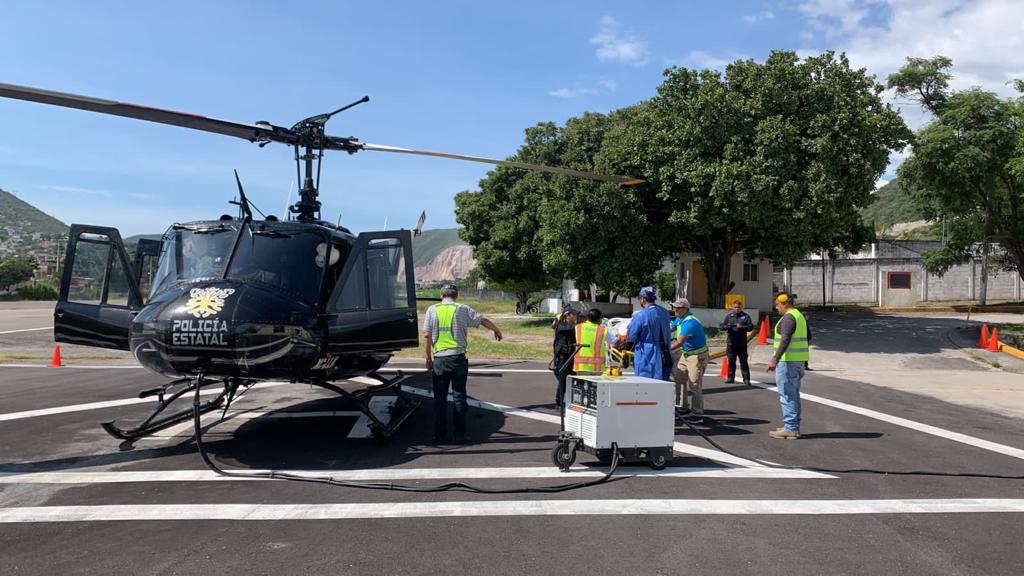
pixel 448 486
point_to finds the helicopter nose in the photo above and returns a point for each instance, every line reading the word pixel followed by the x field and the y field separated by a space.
pixel 225 328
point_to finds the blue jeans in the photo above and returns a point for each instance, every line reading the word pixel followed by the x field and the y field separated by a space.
pixel 787 377
pixel 453 371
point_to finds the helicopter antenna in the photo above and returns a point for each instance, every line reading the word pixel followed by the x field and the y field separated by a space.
pixel 288 200
pixel 419 224
pixel 245 205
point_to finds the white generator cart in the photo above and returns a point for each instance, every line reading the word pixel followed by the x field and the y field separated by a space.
pixel 631 414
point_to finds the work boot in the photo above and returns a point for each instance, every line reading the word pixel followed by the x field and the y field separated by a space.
pixel 783 434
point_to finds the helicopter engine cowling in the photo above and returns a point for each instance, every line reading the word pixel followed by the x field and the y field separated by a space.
pixel 227 329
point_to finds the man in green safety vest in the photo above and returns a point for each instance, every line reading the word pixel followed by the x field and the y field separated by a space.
pixel 792 351
pixel 444 334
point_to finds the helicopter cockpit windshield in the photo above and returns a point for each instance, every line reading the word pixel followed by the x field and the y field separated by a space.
pixel 203 250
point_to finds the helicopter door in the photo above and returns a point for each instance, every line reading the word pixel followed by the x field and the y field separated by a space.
pixel 373 307
pixel 147 257
pixel 97 292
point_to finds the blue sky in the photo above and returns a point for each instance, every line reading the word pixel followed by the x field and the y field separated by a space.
pixel 464 77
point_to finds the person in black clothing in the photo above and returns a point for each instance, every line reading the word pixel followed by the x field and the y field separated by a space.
pixel 736 326
pixel 563 348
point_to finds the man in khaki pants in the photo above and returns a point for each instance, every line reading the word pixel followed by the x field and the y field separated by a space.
pixel 690 348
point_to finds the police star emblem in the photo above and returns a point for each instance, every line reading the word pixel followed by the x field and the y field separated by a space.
pixel 206 302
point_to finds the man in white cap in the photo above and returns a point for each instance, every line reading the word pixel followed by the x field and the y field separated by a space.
pixel 688 372
pixel 445 339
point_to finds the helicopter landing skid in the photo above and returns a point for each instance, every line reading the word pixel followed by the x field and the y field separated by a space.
pixel 404 405
pixel 155 422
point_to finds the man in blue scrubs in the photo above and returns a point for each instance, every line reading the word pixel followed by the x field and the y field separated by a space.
pixel 650 333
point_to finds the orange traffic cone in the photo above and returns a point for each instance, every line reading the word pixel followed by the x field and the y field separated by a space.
pixel 762 336
pixel 993 341
pixel 55 362
pixel 724 373
pixel 983 338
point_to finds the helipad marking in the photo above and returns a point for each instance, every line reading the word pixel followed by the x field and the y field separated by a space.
pixel 26 330
pixel 681 447
pixel 660 507
pixel 98 405
pixel 398 474
pixel 926 428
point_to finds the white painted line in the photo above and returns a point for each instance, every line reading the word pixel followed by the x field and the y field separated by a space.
pixel 661 507
pixel 926 428
pixel 101 405
pixel 681 447
pixel 27 330
pixel 72 366
pixel 476 370
pixel 402 474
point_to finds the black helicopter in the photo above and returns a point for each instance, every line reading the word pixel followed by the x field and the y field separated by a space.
pixel 233 301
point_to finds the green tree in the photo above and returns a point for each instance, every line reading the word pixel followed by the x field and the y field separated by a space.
pixel 501 221
pixel 15 269
pixel 772 159
pixel 967 166
pixel 594 232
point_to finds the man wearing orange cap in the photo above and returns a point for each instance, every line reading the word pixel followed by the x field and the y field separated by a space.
pixel 791 352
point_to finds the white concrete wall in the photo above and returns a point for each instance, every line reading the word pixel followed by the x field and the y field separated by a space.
pixel 758 295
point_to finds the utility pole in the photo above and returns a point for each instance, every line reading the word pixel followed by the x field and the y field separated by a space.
pixel 983 292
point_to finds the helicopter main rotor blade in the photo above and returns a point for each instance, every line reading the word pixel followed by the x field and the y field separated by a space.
pixel 623 180
pixel 251 132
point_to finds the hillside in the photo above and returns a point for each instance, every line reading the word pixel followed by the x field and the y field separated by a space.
pixel 432 242
pixel 27 231
pixel 16 213
pixel 891 206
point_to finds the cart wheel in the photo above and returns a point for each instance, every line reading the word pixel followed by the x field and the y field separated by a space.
pixel 657 461
pixel 563 455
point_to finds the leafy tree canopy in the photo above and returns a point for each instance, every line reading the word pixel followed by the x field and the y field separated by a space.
pixel 966 166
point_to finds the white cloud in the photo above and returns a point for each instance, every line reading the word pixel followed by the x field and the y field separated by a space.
pixel 572 92
pixel 77 190
pixel 699 59
pixel 759 16
pixel 983 37
pixel 601 86
pixel 616 45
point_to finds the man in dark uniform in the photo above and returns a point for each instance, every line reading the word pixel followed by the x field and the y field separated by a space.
pixel 563 348
pixel 736 326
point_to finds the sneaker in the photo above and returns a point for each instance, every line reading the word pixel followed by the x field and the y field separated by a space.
pixel 681 414
pixel 693 418
pixel 730 381
pixel 783 434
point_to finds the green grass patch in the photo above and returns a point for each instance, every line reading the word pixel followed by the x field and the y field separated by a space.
pixel 482 306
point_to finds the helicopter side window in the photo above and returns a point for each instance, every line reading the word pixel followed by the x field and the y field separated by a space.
pixel 97 275
pixel 353 293
pixel 385 269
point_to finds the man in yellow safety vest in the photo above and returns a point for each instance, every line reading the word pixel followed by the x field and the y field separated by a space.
pixel 792 351
pixel 445 339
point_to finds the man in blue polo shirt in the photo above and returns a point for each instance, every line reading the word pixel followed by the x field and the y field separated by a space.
pixel 688 372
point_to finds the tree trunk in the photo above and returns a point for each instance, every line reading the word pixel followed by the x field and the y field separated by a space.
pixel 983 292
pixel 717 267
pixel 521 298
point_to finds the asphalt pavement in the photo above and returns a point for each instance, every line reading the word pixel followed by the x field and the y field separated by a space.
pixel 74 500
